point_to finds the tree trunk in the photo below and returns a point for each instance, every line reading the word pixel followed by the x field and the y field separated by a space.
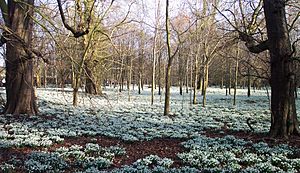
pixel 90 85
pixel 180 73
pixel 45 75
pixel 140 83
pixel 195 81
pixel 295 87
pixel 140 75
pixel 169 65
pixel 38 75
pixel 129 77
pixel 222 81
pixel 167 93
pixel 229 85
pixel 159 74
pixel 187 76
pixel 19 66
pixel 153 71
pixel 249 83
pixel 283 110
pixel 205 84
pixel 236 74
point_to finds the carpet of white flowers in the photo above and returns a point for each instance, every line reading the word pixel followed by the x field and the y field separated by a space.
pixel 114 115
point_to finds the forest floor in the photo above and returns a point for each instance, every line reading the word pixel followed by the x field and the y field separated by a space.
pixel 115 134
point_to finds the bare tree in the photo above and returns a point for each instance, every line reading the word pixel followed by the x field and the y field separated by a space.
pixel 283 110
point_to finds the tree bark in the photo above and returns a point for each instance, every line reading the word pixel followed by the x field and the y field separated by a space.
pixel 283 110
pixel 248 82
pixel 195 81
pixel 19 66
pixel 236 74
pixel 159 74
pixel 38 82
pixel 205 84
pixel 45 75
pixel 169 65
pixel 129 76
pixel 90 85
pixel 168 72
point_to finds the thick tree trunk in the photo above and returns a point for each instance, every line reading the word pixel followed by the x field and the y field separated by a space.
pixel 284 118
pixel 19 66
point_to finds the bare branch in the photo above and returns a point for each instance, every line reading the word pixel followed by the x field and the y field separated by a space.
pixel 76 33
pixel 294 46
pixel 294 21
pixel 10 36
pixel 252 27
pixel 252 45
pixel 227 18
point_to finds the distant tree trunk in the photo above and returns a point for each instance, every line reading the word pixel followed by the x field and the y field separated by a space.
pixel 122 81
pixel 140 76
pixel 205 84
pixel 153 72
pixel 180 73
pixel 45 75
pixel 226 88
pixel 159 74
pixel 38 79
pixel 229 85
pixel 19 66
pixel 121 76
pixel 55 74
pixel 222 81
pixel 129 78
pixel 236 74
pixel 90 85
pixel 38 75
pixel 73 76
pixel 227 78
pixel 284 118
pixel 187 76
pixel 140 84
pixel 191 79
pixel 200 79
pixel 195 81
pixel 295 87
pixel 249 82
pixel 75 92
pixel 85 43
